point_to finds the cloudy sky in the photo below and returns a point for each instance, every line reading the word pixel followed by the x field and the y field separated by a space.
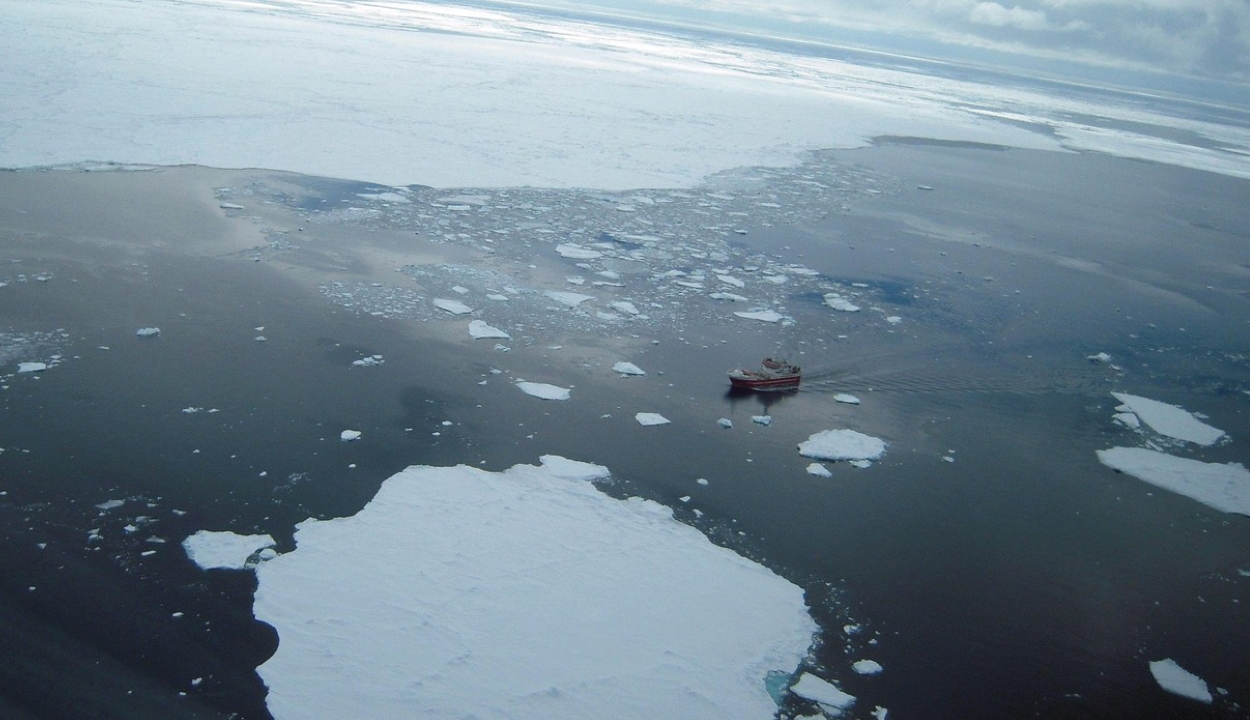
pixel 1209 38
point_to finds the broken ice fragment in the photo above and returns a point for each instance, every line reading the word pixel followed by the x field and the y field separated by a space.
pixel 148 332
pixel 479 330
pixel 842 445
pixel 29 367
pixel 628 368
pixel 649 418
pixel 1178 681
pixel 455 307
pixel 543 390
pixel 349 435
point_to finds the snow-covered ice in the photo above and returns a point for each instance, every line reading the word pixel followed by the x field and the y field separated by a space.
pixel 822 691
pixel 577 252
pixel 1170 420
pixel 349 435
pixel 31 367
pixel 210 549
pixel 628 368
pixel 650 418
pixel 543 390
pixel 480 330
pixel 837 302
pixel 1225 487
pixel 148 332
pixel 1179 681
pixel 524 594
pixel 842 445
pixel 846 398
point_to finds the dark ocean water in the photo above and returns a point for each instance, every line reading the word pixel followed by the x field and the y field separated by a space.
pixel 1019 578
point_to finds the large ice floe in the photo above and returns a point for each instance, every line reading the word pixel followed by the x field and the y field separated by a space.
pixel 842 445
pixel 1179 681
pixel 525 593
pixel 1225 487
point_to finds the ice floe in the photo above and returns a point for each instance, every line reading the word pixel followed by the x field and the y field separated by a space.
pixel 459 592
pixel 210 549
pixel 31 367
pixel 577 252
pixel 543 390
pixel 628 368
pixel 480 330
pixel 368 361
pixel 818 470
pixel 1179 681
pixel 771 316
pixel 349 435
pixel 565 297
pixel 1225 487
pixel 455 307
pixel 839 303
pixel 1170 420
pixel 846 398
pixel 822 691
pixel 842 445
pixel 148 332
pixel 866 667
pixel 650 418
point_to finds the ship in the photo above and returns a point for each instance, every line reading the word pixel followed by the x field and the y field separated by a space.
pixel 774 374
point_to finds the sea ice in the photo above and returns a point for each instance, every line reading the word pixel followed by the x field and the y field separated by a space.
pixel 818 470
pixel 764 420
pixel 543 390
pixel 842 445
pixel 624 306
pixel 845 398
pixel 148 332
pixel 725 423
pixel 1223 487
pixel 349 435
pixel 526 594
pixel 1177 680
pixel 628 368
pixel 649 418
pixel 822 691
pixel 1170 420
pixel 455 307
pixel 479 330
pixel 732 297
pixel 370 361
pixel 210 549
pixel 771 316
pixel 29 367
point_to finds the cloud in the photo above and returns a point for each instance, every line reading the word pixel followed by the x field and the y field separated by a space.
pixel 995 15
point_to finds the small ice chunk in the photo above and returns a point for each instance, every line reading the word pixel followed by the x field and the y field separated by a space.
pixel 1179 681
pixel 210 549
pixel 894 319
pixel 479 330
pixel 455 307
pixel 624 306
pixel 1101 357
pixel 826 693
pixel 771 316
pixel 764 420
pixel 842 445
pixel 845 398
pixel 649 418
pixel 1170 420
pixel 732 297
pixel 702 481
pixel 818 470
pixel 148 332
pixel 30 367
pixel 191 410
pixel 628 368
pixel 349 435
pixel 371 361
pixel 1223 487
pixel 111 504
pixel 230 206
pixel 543 390
pixel 731 280
pixel 866 667
pixel 725 423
